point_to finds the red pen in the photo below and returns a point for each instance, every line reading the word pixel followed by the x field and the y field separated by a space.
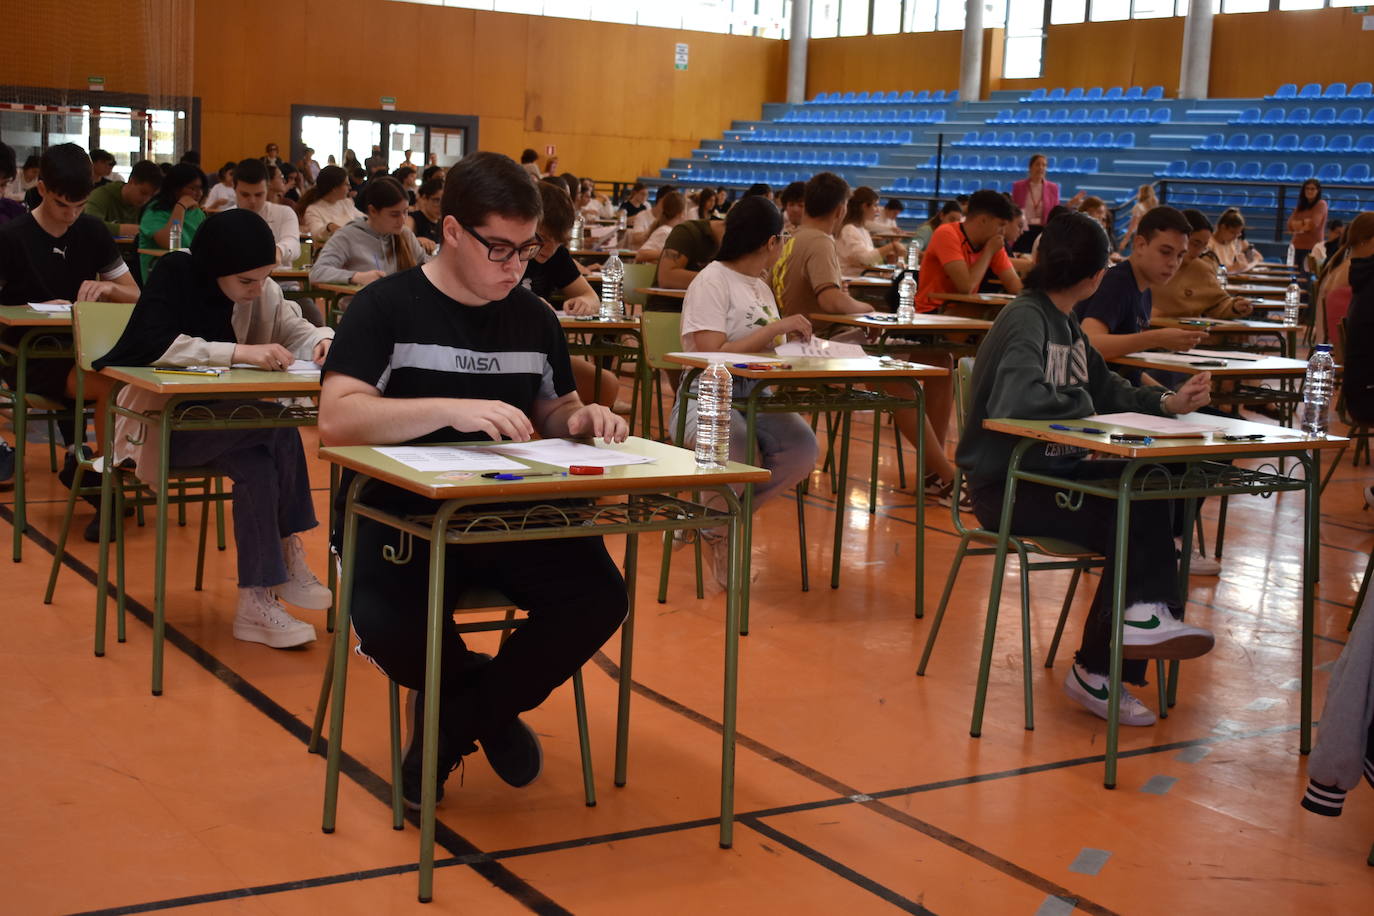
pixel 585 470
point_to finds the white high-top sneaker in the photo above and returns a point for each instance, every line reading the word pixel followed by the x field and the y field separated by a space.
pixel 301 588
pixel 261 619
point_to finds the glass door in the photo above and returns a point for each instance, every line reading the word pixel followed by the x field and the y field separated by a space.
pixel 325 136
pixel 406 140
pixel 446 145
pixel 361 136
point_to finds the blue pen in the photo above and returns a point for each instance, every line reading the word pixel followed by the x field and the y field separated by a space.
pixel 1077 429
pixel 498 475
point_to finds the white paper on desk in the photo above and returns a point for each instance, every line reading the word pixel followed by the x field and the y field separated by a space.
pixel 439 458
pixel 1225 354
pixel 1158 426
pixel 299 367
pixel 714 356
pixel 563 453
pixel 819 346
pixel 57 308
pixel 1183 359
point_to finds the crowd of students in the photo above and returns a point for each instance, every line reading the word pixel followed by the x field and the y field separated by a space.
pixel 472 260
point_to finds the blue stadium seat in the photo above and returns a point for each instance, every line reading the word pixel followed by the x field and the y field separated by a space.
pixel 1154 93
pixel 1357 174
pixel 1083 139
pixel 1025 138
pixel 1113 94
pixel 1044 138
pixel 1365 144
pixel 1210 142
pixel 937 96
pixel 1273 116
pixel 1093 94
pixel 1238 142
pixel 1125 140
pixel 1161 116
pixel 1286 91
pixel 1334 91
pixel 1079 116
pixel 1288 143
pixel 904 137
pixel 862 98
pixel 1202 168
pixel 908 96
pixel 1088 166
pixel 1098 116
pixel 1119 116
pixel 1247 116
pixel 1313 143
pixel 1074 95
pixel 923 96
pixel 1224 171
pixel 1329 173
pixel 1140 116
pixel 1298 116
pixel 1310 91
pixel 1369 118
pixel 846 99
pixel 1234 197
pixel 1176 169
pixel 1250 171
pixel 1262 143
pixel 1006 138
pixel 1324 116
pixel 1275 171
pixel 938 116
pixel 1350 116
pixel 1209 198
pixel 1340 144
pixel 1037 95
pixel 1060 116
pixel 889 138
pixel 1068 164
pixel 1040 116
pixel 1002 117
pixel 1361 91
pixel 1064 138
pixel 1183 197
pixel 1134 94
pixel 1008 164
pixel 1301 172
pixel 890 116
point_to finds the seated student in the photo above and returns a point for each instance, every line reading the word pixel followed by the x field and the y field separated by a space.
pixel 119 204
pixel 406 174
pixel 178 200
pixel 950 212
pixel 425 220
pixel 432 172
pixel 636 202
pixel 961 254
pixel 327 206
pixel 886 219
pixel 218 305
pixel 730 308
pixel 221 195
pixel 552 270
pixel 1145 201
pixel 1358 359
pixel 643 221
pixel 758 189
pixel 469 300
pixel 1036 363
pixel 292 185
pixel 1335 289
pixel 529 161
pixel 9 207
pixel 57 254
pixel 671 211
pixel 371 246
pixel 689 247
pixel 792 202
pixel 1194 290
pixel 26 188
pixel 594 206
pixel 807 279
pixel 102 167
pixel 1021 263
pixel 857 251
pixel 250 193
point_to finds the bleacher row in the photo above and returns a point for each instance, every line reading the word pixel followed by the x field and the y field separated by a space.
pixel 909 97
pixel 791 157
pixel 922 186
pixel 1037 141
pixel 861 116
pixel 857 137
pixel 1341 203
pixel 1096 94
pixel 1323 117
pixel 734 177
pixel 1340 144
pixel 1089 165
pixel 1081 116
pixel 1314 91
pixel 1329 173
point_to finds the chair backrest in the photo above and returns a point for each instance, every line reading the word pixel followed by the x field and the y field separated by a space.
pixel 662 334
pixel 97 327
pixel 637 277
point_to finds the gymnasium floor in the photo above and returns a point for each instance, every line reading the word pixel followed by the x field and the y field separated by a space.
pixel 859 790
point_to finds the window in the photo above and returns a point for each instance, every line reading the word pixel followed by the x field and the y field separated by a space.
pixel 920 16
pixel 1245 6
pixel 1064 12
pixel 1110 10
pixel 1025 43
pixel 1153 9
pixel 763 18
pixel 951 16
pixel 825 18
pixel 887 17
pixel 1301 4
pixel 853 17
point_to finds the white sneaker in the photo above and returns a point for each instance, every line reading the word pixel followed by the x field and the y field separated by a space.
pixel 1199 565
pixel 1091 692
pixel 301 587
pixel 1152 631
pixel 715 556
pixel 261 619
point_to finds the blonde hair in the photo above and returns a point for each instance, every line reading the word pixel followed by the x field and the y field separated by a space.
pixel 1146 196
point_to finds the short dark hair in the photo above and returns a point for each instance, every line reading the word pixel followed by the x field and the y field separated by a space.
pixel 484 183
pixel 430 187
pixel 1072 248
pixel 192 157
pixel 430 171
pixel 249 171
pixel 65 170
pixel 1231 219
pixel 993 203
pixel 571 183
pixel 558 210
pixel 7 163
pixel 33 161
pixel 758 190
pixel 793 193
pixel 403 172
pixel 825 193
pixel 1197 221
pixel 663 191
pixel 100 155
pixel 145 171
pixel 748 226
pixel 528 155
pixel 894 204
pixel 1162 219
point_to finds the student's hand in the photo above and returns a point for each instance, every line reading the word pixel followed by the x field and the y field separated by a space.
pixel 331 227
pixel 128 230
pixel 497 419
pixel 1243 306
pixel 364 277
pixel 1077 199
pixel 1194 393
pixel 429 245
pixel 94 290
pixel 1178 338
pixel 796 327
pixel 273 357
pixel 580 305
pixel 595 420
pixel 993 245
pixel 321 350
pixel 189 202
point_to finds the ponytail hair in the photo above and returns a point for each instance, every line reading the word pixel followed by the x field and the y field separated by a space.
pixel 330 177
pixel 749 225
pixel 1072 248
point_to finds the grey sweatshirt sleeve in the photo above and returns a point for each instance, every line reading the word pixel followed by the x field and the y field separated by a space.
pixel 347 252
pixel 1113 394
pixel 1338 759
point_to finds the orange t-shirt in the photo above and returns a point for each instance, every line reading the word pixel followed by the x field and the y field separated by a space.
pixel 949 244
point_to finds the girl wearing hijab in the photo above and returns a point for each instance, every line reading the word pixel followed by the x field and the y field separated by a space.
pixel 218 306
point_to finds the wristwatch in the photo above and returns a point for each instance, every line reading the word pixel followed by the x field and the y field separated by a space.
pixel 1162 408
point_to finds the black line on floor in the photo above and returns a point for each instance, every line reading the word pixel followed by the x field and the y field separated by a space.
pixel 905 904
pixel 379 788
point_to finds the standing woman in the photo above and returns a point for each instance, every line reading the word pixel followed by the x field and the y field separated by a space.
pixel 327 207
pixel 1308 222
pixel 1145 201
pixel 855 244
pixel 372 246
pixel 218 306
pixel 1036 196
pixel 178 199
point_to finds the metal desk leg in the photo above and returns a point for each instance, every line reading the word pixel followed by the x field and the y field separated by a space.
pixel 339 662
pixel 845 425
pixel 434 649
pixel 20 413
pixel 106 515
pixel 1114 687
pixel 622 721
pixel 739 567
pixel 746 523
pixel 1310 558
pixel 160 555
pixel 919 392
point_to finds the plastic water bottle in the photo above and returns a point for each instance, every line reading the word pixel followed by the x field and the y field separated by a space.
pixel 1292 302
pixel 1221 275
pixel 174 236
pixel 713 417
pixel 578 223
pixel 612 278
pixel 913 255
pixel 1316 392
pixel 906 300
pixel 621 220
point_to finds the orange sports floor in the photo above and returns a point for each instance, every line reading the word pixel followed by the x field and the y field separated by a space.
pixel 859 789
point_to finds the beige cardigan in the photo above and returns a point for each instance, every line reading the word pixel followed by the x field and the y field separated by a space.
pixel 267 319
pixel 1194 291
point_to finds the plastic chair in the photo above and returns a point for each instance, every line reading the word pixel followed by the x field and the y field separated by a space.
pixel 1365 144
pixel 1273 116
pixel 1301 172
pixel 1357 174
pixel 1089 165
pixel 1041 116
pixel 1287 143
pixel 1056 94
pixel 1093 94
pixel 1154 93
pixel 1361 91
pixel 1262 143
pixel 1224 171
pixel 1099 116
pixel 1349 116
pixel 1161 116
pixel 1124 140
pixel 1058 554
pixel 1250 171
pixel 1275 171
pixel 1329 173
pixel 1236 143
pixel 1134 94
pixel 1286 91
pixel 1119 116
pixel 1298 116
pixel 1037 95
pixel 1059 116
pixel 1247 116
pixel 1176 169
pixel 1063 139
pixel 1113 94
pixel 1202 168
pixel 1313 143
pixel 1324 117
pixel 1044 138
pixel 1310 91
pixel 1084 140
pixel 1079 116
pixel 1209 143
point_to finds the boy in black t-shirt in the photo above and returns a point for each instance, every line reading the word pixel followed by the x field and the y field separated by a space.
pixel 57 254
pixel 457 350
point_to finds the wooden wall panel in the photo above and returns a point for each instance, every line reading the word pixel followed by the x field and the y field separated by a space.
pixel 918 61
pixel 1254 53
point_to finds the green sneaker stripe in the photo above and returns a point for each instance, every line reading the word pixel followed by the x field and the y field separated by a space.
pixel 1151 624
pixel 1100 693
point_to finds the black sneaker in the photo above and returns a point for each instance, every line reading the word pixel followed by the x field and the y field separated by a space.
pixel 412 766
pixel 514 753
pixel 6 466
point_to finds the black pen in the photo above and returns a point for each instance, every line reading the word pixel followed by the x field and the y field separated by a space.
pixel 1128 437
pixel 1253 437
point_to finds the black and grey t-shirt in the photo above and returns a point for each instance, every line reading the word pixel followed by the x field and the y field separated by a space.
pixel 36 267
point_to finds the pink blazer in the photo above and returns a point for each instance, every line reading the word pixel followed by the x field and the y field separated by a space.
pixel 1020 192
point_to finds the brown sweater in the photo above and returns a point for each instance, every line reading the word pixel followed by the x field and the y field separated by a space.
pixel 1193 291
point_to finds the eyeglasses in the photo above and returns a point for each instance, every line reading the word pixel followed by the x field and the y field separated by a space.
pixel 501 252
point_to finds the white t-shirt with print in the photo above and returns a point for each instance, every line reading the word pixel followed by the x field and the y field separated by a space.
pixel 725 300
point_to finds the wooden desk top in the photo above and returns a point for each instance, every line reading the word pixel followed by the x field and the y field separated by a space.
pixel 1264 367
pixel 672 470
pixel 1263 278
pixel 595 323
pixel 234 381
pixel 598 253
pixel 973 298
pixel 345 288
pixel 1250 289
pixel 21 316
pixel 663 291
pixel 929 321
pixel 1277 438
pixel 1227 325
pixel 868 281
pixel 819 367
pixel 158 252
pixel 291 273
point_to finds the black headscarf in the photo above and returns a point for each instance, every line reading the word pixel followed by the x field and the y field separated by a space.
pixel 182 296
